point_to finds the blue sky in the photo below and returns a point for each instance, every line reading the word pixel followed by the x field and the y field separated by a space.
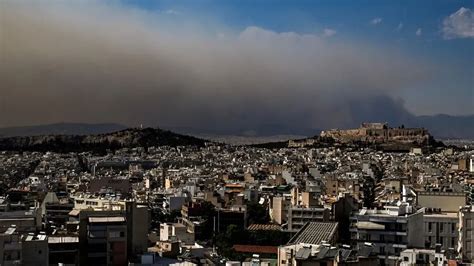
pixel 414 28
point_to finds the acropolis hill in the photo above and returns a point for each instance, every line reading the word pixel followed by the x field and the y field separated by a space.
pixel 379 133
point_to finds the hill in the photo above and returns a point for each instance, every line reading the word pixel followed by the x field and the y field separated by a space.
pixel 127 138
pixel 61 129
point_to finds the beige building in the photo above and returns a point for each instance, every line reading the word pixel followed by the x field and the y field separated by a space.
pixel 446 201
pixel 336 185
pixel 280 207
pixel 176 231
pixel 310 199
pixel 86 201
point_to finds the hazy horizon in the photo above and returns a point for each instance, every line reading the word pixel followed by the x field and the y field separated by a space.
pixel 228 68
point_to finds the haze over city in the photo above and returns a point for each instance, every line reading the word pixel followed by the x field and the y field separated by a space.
pixel 236 133
pixel 234 66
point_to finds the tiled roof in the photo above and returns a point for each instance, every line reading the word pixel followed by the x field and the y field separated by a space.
pixel 315 233
pixel 258 227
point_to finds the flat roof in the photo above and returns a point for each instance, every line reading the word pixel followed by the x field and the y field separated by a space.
pixel 111 219
pixel 63 239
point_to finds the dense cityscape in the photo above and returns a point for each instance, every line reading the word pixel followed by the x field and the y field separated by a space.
pixel 331 200
pixel 236 132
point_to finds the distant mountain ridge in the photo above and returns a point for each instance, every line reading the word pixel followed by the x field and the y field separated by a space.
pixel 447 126
pixel 128 138
pixel 440 126
pixel 61 129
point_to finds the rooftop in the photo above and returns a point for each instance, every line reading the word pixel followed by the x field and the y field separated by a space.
pixel 112 219
pixel 315 233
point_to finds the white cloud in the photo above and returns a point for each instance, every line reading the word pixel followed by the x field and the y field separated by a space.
pixel 418 32
pixel 400 26
pixel 460 24
pixel 329 32
pixel 376 21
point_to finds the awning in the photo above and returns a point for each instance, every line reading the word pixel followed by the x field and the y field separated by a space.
pixel 370 226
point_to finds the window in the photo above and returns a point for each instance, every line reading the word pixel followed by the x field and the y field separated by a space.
pixel 441 227
pixel 430 229
pixel 405 258
pixel 114 234
pixel 453 228
pixel 441 240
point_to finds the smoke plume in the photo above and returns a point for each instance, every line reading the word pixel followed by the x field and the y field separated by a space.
pixel 101 62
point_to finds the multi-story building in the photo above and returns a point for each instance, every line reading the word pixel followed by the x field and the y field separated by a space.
pixel 137 216
pixel 56 210
pixel 103 238
pixel 345 184
pixel 391 230
pixel 466 233
pixel 236 215
pixel 28 249
pixel 410 257
pixel 88 201
pixel 169 231
pixel 299 216
pixel 440 228
pixel 63 249
pixel 25 219
pixel 113 237
pixel 444 200
pixel 280 207
pixel 35 251
pixel 10 247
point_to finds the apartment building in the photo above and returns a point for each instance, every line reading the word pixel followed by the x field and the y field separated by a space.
pixel 466 233
pixel 298 216
pixel 391 230
pixel 440 228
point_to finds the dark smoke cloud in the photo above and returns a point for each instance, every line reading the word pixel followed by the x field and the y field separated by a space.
pixel 94 62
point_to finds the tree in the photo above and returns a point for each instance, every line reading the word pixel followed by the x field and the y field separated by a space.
pixel 257 214
pixel 226 240
pixel 208 212
pixel 369 192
